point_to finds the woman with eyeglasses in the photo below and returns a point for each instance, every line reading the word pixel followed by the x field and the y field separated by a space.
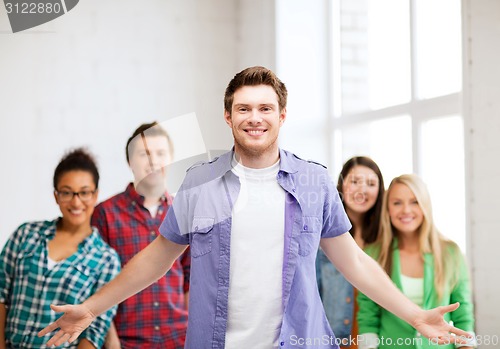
pixel 56 262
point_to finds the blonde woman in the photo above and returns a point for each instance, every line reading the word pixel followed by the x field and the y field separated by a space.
pixel 428 268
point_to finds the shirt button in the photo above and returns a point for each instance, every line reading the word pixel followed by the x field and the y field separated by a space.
pixel 293 189
pixel 156 304
pixel 346 322
pixel 157 328
pixel 348 299
pixel 134 203
pixel 282 343
pixel 306 227
pixel 153 233
pixel 196 228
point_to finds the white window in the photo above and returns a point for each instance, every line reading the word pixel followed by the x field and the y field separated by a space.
pixel 396 95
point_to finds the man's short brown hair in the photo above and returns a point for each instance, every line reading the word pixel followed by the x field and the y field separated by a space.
pixel 254 76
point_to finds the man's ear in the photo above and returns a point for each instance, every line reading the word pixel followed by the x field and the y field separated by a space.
pixel 227 118
pixel 282 116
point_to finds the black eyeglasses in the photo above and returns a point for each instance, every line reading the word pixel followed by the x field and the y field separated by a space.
pixel 67 196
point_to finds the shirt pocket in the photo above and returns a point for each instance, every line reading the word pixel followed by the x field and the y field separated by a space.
pixel 25 263
pixel 80 279
pixel 201 231
pixel 309 235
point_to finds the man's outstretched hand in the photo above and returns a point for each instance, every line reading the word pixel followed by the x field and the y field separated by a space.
pixel 430 323
pixel 75 320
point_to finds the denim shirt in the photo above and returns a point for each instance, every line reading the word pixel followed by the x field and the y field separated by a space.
pixel 201 217
pixel 337 295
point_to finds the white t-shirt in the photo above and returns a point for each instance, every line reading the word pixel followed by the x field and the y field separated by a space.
pixel 50 262
pixel 255 309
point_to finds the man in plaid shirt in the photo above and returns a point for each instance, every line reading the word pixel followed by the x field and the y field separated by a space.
pixel 128 222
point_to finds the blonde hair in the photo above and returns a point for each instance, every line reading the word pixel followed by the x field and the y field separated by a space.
pixel 430 239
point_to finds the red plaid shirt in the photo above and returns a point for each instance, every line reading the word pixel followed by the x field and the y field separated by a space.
pixel 157 316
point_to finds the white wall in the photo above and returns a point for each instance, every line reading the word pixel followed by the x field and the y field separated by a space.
pixel 303 53
pixel 482 130
pixel 93 75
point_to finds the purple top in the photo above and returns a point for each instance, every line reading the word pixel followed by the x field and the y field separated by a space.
pixel 201 217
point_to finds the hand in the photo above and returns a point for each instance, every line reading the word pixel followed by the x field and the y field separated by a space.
pixel 431 324
pixel 75 320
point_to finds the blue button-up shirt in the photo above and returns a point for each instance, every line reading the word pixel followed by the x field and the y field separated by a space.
pixel 201 217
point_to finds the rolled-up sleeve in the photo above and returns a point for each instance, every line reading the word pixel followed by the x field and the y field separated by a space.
pixel 8 259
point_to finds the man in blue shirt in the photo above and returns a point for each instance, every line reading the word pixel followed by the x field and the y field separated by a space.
pixel 254 218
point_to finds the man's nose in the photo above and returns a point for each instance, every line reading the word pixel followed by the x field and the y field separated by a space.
pixel 255 116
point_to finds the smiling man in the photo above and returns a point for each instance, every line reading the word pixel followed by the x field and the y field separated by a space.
pixel 254 218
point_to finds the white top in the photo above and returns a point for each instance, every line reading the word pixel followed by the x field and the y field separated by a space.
pixel 50 262
pixel 255 308
pixel 413 288
pixel 153 210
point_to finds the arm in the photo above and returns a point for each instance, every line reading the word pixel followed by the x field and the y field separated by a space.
pixel 8 261
pixel 112 340
pixel 366 275
pixel 3 316
pixel 85 344
pixel 145 268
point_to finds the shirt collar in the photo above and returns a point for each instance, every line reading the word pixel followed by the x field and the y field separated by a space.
pixel 90 241
pixel 134 196
pixel 288 162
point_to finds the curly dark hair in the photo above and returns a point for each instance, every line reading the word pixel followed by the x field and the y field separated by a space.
pixel 78 159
